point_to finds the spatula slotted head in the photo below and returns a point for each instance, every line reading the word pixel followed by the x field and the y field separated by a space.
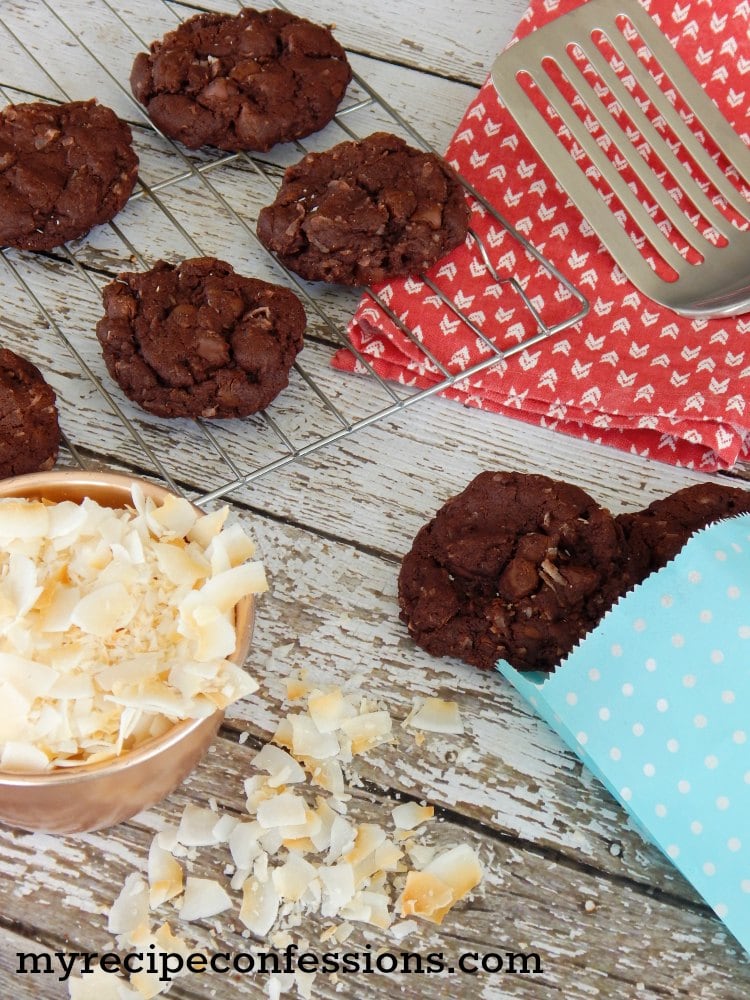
pixel 642 151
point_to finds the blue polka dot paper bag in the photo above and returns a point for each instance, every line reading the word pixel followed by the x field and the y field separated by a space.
pixel 656 702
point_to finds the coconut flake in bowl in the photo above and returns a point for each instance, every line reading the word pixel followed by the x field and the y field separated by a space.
pixel 125 617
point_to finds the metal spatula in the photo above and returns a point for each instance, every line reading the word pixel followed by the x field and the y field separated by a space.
pixel 640 149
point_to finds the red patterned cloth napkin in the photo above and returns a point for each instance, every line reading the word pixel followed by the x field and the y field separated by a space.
pixel 632 374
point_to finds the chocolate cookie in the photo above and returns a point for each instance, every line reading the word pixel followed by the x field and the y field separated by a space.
pixel 517 567
pixel 198 340
pixel 655 535
pixel 29 431
pixel 365 211
pixel 242 82
pixel 64 168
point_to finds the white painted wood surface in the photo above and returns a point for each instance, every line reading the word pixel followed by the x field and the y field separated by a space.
pixel 566 874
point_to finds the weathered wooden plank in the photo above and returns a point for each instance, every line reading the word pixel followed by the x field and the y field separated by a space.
pixel 605 937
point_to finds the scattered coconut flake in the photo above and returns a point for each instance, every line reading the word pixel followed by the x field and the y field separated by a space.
pixel 367 730
pixel 164 874
pixel 260 905
pixel 197 827
pixel 449 877
pixel 100 985
pixel 409 815
pixel 282 768
pixel 129 911
pixel 284 809
pixel 436 716
pixel 203 898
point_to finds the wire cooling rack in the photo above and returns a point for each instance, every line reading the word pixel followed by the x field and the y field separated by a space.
pixel 195 204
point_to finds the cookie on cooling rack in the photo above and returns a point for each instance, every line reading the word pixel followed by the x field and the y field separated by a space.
pixel 240 82
pixel 655 535
pixel 365 211
pixel 29 429
pixel 198 340
pixel 518 567
pixel 64 168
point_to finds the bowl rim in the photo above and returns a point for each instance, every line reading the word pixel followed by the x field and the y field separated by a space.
pixel 36 482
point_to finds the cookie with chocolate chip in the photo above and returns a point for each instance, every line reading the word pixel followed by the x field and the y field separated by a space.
pixel 242 82
pixel 64 168
pixel 199 340
pixel 365 211
pixel 516 567
pixel 655 535
pixel 29 428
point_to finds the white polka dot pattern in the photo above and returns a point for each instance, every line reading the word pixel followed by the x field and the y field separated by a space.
pixel 656 702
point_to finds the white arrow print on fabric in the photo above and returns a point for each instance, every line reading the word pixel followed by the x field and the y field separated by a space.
pixel 689 355
pixel 662 361
pixel 670 330
pixel 602 308
pixel 460 359
pixel 721 336
pixel 561 347
pixel 626 380
pixel 528 361
pixel 645 392
pixel 706 365
pixel 621 324
pixel 580 371
pixel 461 300
pixel 611 358
pixel 734 359
pixel 638 352
pixel 594 343
pixel 448 270
pixel 467 136
pixel 736 403
pixel 678 380
pixel 695 402
pixel 548 379
pixel 477 111
pixel 516 399
pixel 449 327
pixel 592 396
pixel 412 286
pixel 724 438
pixel 492 128
pixel 718 388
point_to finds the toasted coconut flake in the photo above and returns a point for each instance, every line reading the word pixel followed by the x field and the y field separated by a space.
pixel 309 742
pixel 284 809
pixel 367 730
pixel 129 912
pixel 436 716
pixel 197 827
pixel 426 895
pixel 203 898
pixel 409 815
pixel 329 709
pixel 164 875
pixel 260 905
pixel 100 985
pixel 107 629
pixel 459 868
pixel 282 768
pixel 338 887
pixel 293 878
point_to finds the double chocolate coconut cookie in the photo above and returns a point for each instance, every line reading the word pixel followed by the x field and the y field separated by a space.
pixel 242 82
pixel 518 567
pixel 365 211
pixel 655 535
pixel 29 429
pixel 198 340
pixel 64 168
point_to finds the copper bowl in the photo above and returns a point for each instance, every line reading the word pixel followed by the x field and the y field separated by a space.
pixel 94 796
